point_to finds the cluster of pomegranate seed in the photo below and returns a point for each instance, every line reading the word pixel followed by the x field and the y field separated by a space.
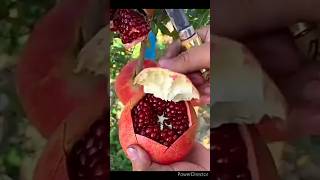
pixel 88 157
pixel 162 121
pixel 229 154
pixel 130 24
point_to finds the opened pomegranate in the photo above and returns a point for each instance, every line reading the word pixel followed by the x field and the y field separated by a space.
pixel 132 25
pixel 78 150
pixel 124 87
pixel 160 118
pixel 239 153
pixel 162 121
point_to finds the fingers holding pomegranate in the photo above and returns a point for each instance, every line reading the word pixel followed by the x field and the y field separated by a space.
pixel 160 117
pixel 197 160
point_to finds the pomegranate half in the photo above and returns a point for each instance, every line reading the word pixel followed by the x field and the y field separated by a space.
pixel 78 149
pixel 160 118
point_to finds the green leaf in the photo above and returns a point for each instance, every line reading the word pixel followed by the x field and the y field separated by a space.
pixel 174 35
pixel 163 29
pixel 154 28
pixel 203 19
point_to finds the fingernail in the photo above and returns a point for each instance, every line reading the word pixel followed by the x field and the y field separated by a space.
pixel 132 153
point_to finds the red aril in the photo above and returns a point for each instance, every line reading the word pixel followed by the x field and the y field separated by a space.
pixel 132 25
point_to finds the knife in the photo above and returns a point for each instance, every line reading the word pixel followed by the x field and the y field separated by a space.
pixel 188 36
pixel 307 39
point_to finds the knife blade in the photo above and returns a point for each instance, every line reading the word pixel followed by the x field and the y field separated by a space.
pixel 178 19
pixel 188 36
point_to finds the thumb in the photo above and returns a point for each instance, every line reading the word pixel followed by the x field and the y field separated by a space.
pixel 139 158
pixel 192 60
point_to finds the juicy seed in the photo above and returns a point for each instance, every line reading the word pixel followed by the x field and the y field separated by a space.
pixel 146 117
pixel 130 24
pixel 88 157
pixel 230 154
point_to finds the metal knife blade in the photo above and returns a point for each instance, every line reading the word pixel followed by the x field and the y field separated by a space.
pixel 178 19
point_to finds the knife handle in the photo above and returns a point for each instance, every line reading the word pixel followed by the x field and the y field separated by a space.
pixel 307 39
pixel 193 41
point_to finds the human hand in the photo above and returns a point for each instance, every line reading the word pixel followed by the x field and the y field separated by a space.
pixel 197 160
pixel 262 26
pixel 190 62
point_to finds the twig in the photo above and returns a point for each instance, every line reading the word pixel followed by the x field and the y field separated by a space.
pixel 141 56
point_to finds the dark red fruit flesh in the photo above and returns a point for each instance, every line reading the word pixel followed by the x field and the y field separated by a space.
pixel 88 158
pixel 112 12
pixel 229 154
pixel 130 24
pixel 148 113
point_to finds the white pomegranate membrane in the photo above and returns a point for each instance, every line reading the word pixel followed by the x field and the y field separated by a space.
pixel 160 120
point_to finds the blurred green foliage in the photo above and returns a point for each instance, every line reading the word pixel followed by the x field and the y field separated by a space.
pixel 17 19
pixel 119 57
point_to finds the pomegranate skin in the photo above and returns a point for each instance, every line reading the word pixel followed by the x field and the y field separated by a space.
pixel 158 152
pixel 52 164
pixel 124 87
pixel 48 88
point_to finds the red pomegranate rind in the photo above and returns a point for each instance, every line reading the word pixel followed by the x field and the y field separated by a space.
pixel 51 165
pixel 239 152
pixel 124 87
pixel 186 140
pixel 266 168
pixel 126 130
pixel 158 152
pixel 53 161
pixel 48 89
pixel 273 129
